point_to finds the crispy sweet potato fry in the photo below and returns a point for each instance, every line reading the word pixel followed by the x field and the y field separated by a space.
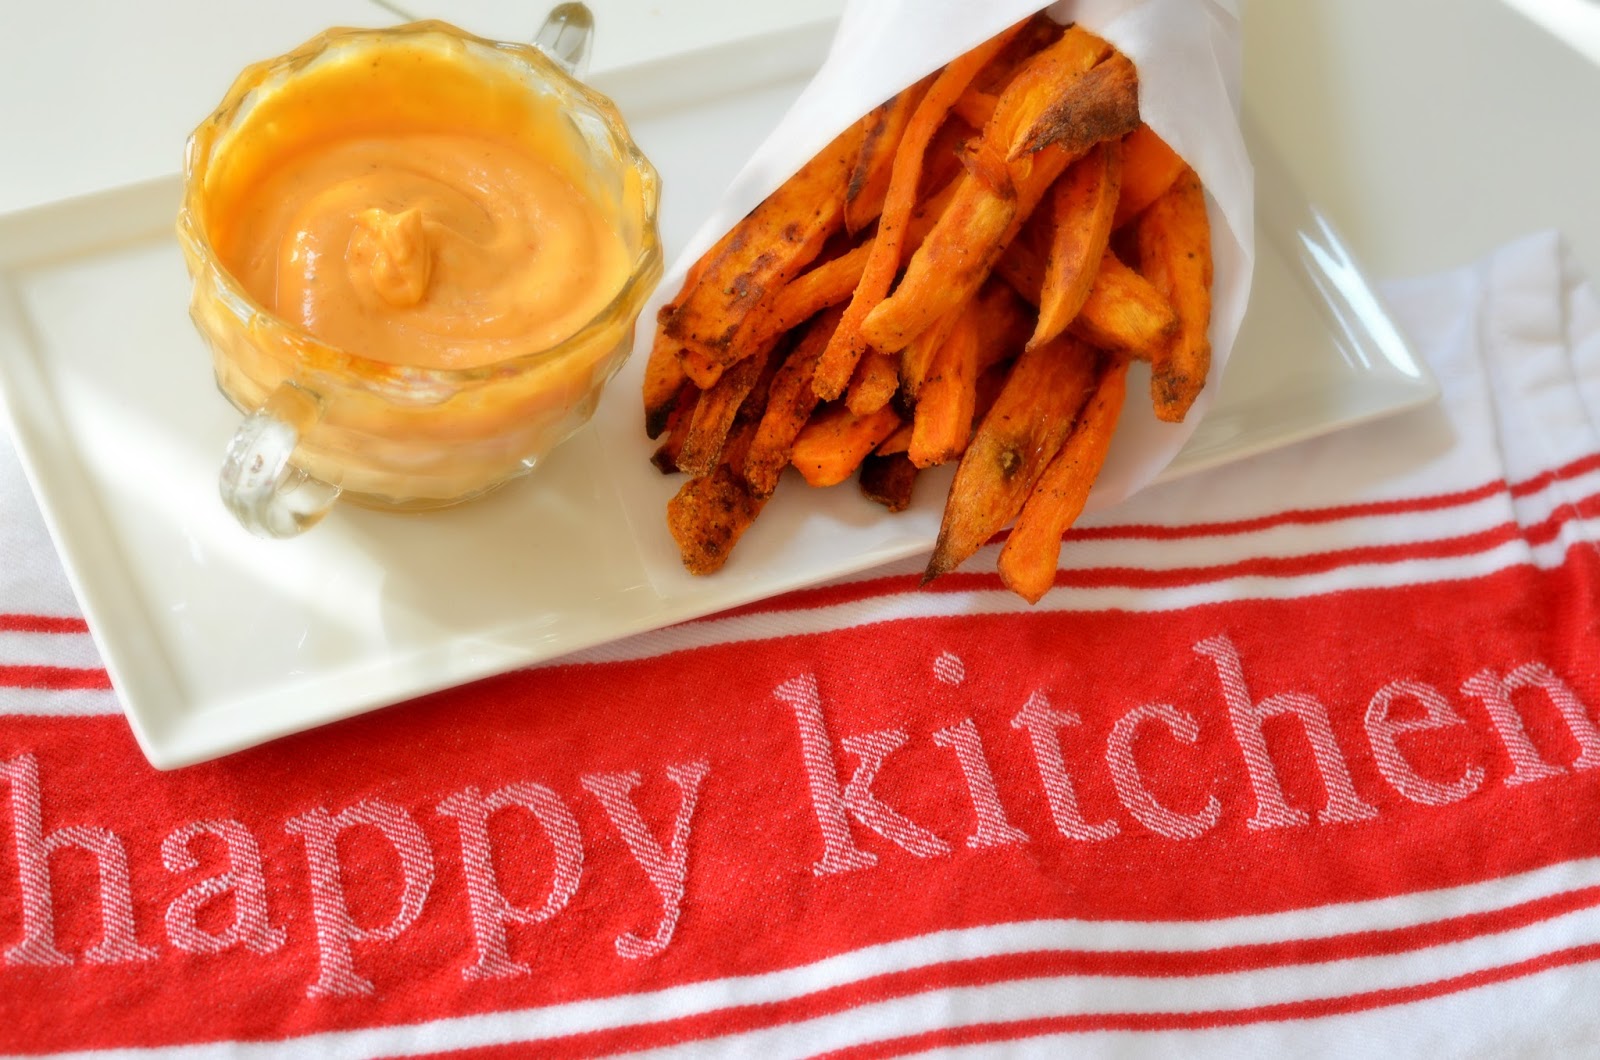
pixel 665 458
pixel 715 411
pixel 834 443
pixel 898 442
pixel 1122 312
pixel 1149 168
pixel 790 402
pixel 985 214
pixel 1017 439
pixel 1082 203
pixel 1125 312
pixel 839 360
pixel 874 383
pixel 663 382
pixel 708 516
pixel 942 422
pixel 1175 253
pixel 882 129
pixel 699 367
pixel 1003 326
pixel 1028 559
pixel 771 245
pixel 888 480
pixel 811 292
pixel 975 107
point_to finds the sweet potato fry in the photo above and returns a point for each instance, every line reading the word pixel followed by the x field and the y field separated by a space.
pixel 1081 203
pixel 833 444
pixel 985 215
pixel 1149 168
pixel 771 245
pixel 874 383
pixel 708 516
pixel 975 107
pixel 888 480
pixel 1125 312
pixel 845 349
pixel 715 411
pixel 1011 448
pixel 811 292
pixel 1028 559
pixel 665 458
pixel 1003 326
pixel 1175 253
pixel 699 367
pixel 881 131
pixel 790 402
pixel 942 422
pixel 898 442
pixel 663 382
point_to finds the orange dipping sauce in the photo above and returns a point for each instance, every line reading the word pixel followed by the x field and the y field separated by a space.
pixel 437 238
pixel 421 253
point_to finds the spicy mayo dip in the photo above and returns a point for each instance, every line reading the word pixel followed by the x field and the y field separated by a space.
pixel 403 209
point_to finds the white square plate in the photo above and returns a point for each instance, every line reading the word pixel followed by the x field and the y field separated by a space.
pixel 216 641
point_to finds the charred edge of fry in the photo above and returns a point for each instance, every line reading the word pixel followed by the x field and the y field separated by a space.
pixel 1105 105
pixel 888 479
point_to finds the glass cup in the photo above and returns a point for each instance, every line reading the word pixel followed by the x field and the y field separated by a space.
pixel 324 422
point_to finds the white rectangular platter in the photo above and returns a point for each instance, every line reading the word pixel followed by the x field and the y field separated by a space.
pixel 217 641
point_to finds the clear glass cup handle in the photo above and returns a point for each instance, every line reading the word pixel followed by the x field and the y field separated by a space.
pixel 567 37
pixel 264 491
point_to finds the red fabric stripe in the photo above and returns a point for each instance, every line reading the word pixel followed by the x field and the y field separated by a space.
pixel 1537 533
pixel 42 624
pixel 1052 964
pixel 53 677
pixel 1179 577
pixel 1315 1008
pixel 1581 466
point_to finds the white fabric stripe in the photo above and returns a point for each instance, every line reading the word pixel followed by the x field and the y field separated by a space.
pixel 74 650
pixel 58 702
pixel 1305 539
pixel 1116 993
pixel 1009 1002
pixel 800 621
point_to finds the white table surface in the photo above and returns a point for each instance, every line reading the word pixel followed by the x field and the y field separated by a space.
pixel 1429 130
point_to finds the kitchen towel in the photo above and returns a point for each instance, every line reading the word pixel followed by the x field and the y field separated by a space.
pixel 1300 757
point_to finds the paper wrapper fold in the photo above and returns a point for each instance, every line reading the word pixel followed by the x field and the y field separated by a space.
pixel 1188 56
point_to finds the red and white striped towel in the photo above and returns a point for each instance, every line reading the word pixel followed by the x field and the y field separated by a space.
pixel 1302 757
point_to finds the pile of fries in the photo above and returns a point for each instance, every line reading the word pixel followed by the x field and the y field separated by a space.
pixel 963 274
